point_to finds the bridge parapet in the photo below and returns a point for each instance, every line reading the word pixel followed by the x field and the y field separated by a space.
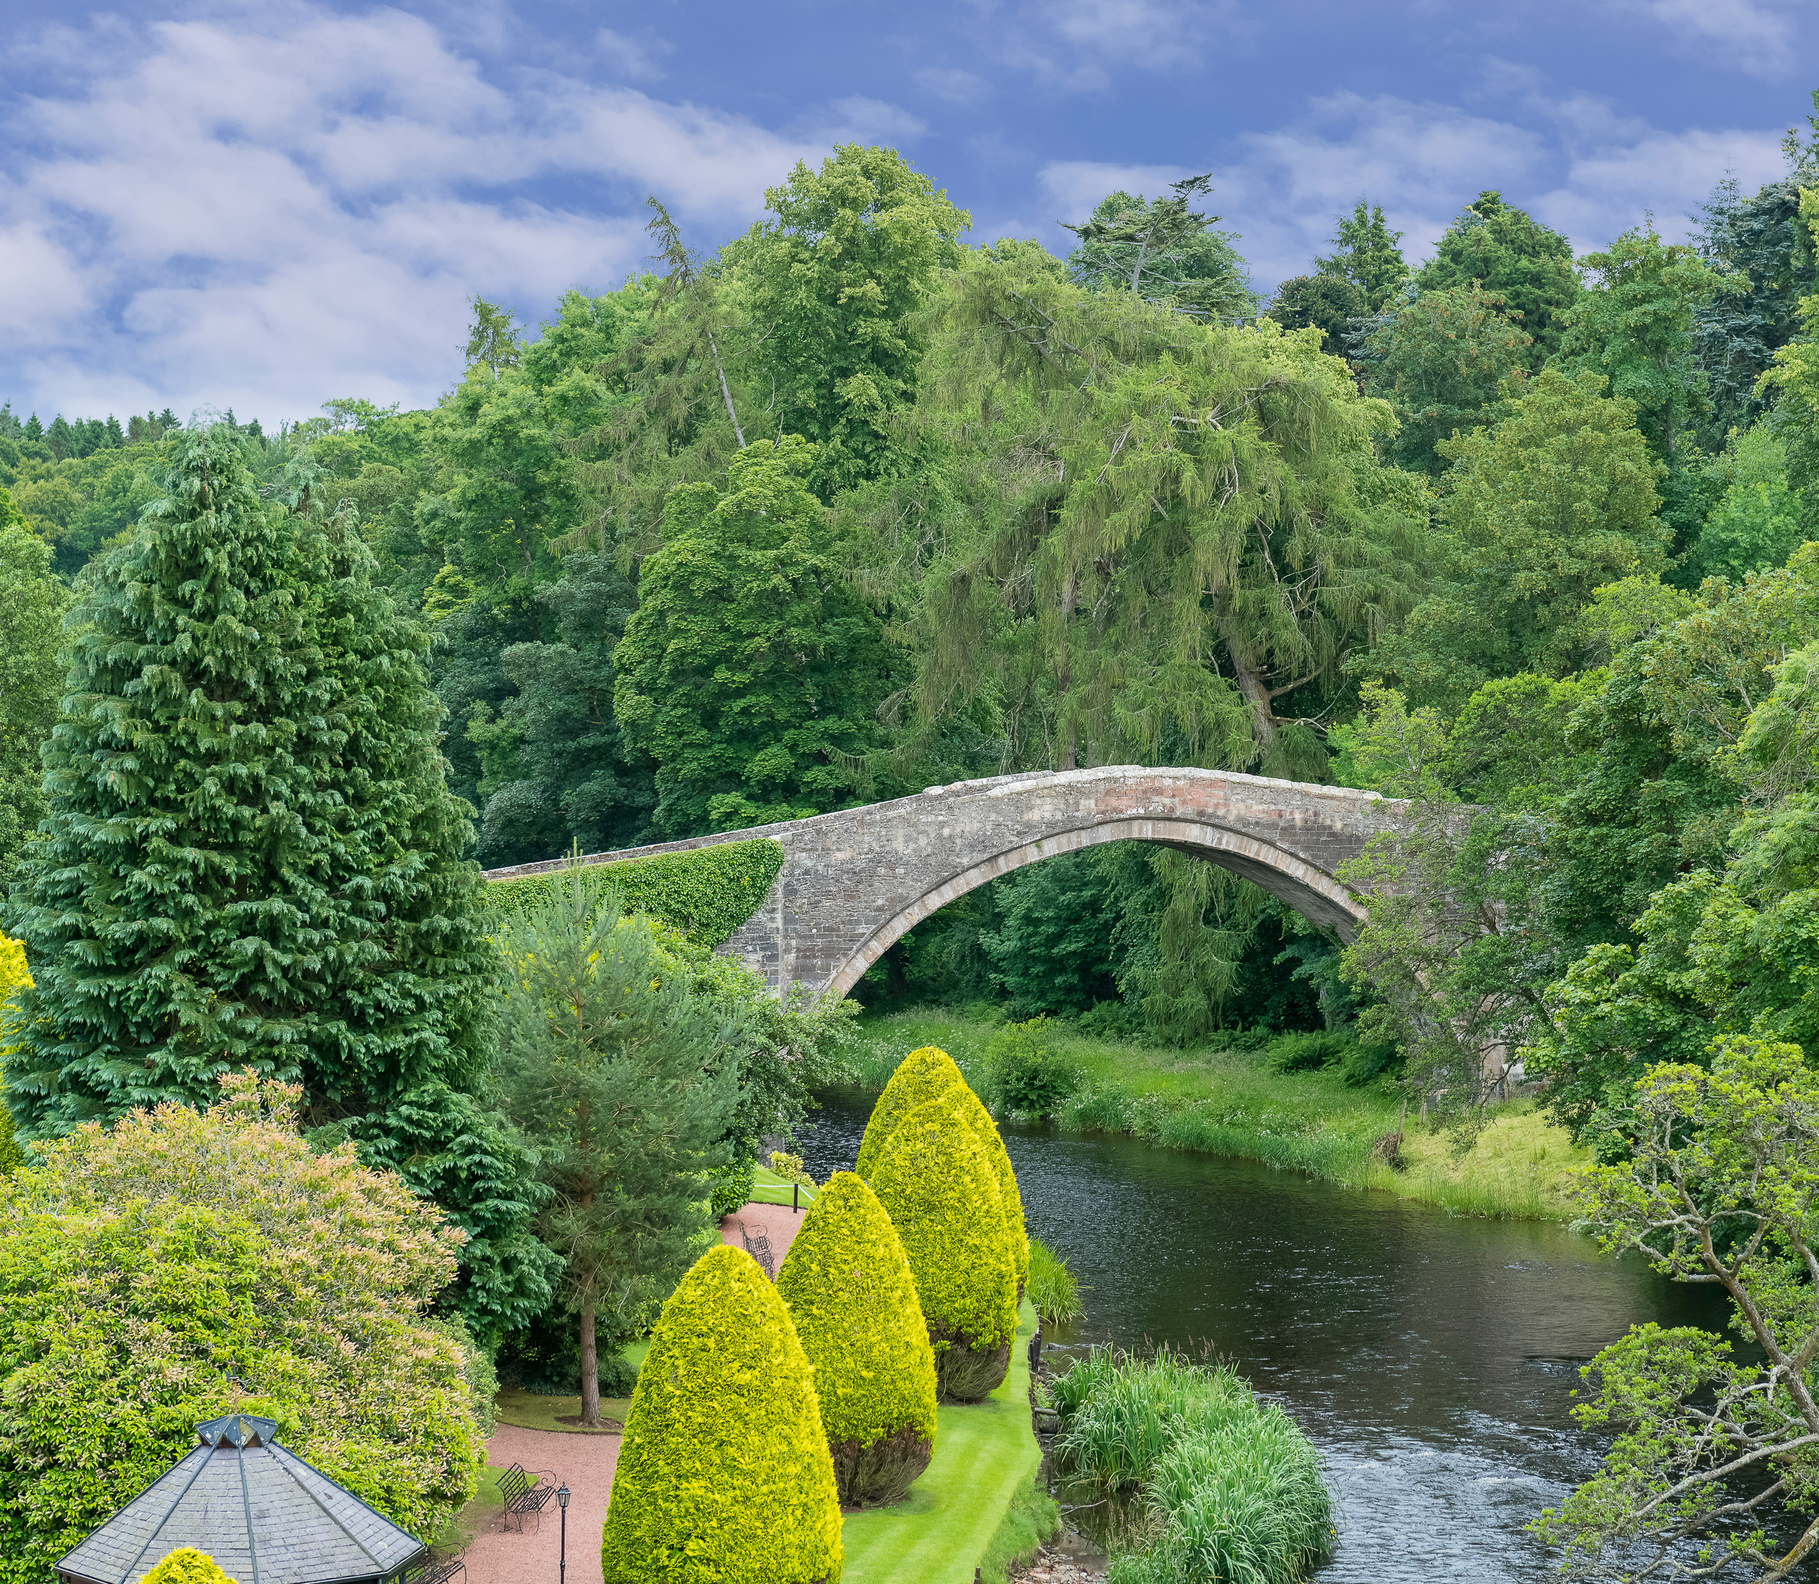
pixel 853 881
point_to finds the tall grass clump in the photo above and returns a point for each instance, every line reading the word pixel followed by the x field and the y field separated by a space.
pixel 1228 1490
pixel 1053 1289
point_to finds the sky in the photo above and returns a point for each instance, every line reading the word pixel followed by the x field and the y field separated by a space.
pixel 262 207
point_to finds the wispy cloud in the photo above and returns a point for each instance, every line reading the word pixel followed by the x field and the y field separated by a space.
pixel 189 217
pixel 1756 37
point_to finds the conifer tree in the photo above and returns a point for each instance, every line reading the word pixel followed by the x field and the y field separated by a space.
pixel 723 1473
pixel 251 858
pixel 853 1301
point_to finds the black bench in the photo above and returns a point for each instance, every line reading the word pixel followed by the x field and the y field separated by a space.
pixel 759 1247
pixel 435 1569
pixel 524 1494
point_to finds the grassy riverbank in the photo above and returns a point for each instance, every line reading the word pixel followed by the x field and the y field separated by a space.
pixel 1224 1102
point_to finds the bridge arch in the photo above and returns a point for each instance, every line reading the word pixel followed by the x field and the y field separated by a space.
pixel 853 881
pixel 1312 893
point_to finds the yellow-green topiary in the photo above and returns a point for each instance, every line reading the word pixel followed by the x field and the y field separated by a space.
pixel 849 1290
pixel 924 1075
pixel 14 976
pixel 724 1473
pixel 920 1077
pixel 937 1185
pixel 972 1109
pixel 187 1565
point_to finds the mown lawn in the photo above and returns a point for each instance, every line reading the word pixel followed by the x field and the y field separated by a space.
pixel 985 1458
pixel 1225 1102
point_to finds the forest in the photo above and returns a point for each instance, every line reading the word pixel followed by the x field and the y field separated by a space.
pixel 850 506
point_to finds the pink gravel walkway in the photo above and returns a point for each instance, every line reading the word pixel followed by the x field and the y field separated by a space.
pixel 586 1462
pixel 776 1222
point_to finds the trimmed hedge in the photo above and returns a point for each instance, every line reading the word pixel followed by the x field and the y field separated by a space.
pixel 849 1290
pixel 929 1073
pixel 935 1181
pixel 187 1565
pixel 925 1073
pixel 707 892
pixel 14 976
pixel 724 1472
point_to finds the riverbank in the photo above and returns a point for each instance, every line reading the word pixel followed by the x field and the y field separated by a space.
pixel 1224 1102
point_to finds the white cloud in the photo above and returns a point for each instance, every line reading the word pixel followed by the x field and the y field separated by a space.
pixel 1074 44
pixel 1745 33
pixel 199 218
pixel 1574 164
pixel 633 57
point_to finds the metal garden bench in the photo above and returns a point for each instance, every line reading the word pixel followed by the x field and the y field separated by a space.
pixel 759 1247
pixel 524 1494
pixel 436 1569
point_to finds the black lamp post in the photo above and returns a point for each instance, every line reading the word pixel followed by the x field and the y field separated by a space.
pixel 562 1496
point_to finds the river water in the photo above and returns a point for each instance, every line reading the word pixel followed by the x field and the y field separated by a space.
pixel 1430 1357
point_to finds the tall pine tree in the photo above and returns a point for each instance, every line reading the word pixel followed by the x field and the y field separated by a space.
pixel 251 858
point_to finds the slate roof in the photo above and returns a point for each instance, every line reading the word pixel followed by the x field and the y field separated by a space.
pixel 261 1512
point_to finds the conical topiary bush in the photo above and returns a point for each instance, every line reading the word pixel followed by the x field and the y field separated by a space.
pixel 937 1185
pixel 972 1109
pixel 724 1472
pixel 849 1290
pixel 922 1075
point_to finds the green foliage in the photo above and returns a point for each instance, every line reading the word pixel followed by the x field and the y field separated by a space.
pixel 1097 573
pixel 706 892
pixel 187 1565
pixel 723 1472
pixel 1163 252
pixel 935 1180
pixel 834 279
pixel 1721 1189
pixel 32 603
pixel 752 668
pixel 925 1074
pixel 1554 500
pixel 847 1283
pixel 1515 258
pixel 136 1263
pixel 732 1186
pixel 251 857
pixel 1366 255
pixel 1054 1291
pixel 625 1082
pixel 1323 302
pixel 1756 522
pixel 1441 360
pixel 1024 1073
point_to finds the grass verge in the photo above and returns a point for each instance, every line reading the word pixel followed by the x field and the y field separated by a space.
pixel 957 1513
pixel 769 1188
pixel 459 1532
pixel 1225 1102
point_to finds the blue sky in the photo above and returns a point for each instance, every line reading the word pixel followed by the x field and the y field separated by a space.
pixel 265 206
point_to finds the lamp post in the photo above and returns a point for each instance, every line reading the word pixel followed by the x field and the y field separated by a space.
pixel 562 1496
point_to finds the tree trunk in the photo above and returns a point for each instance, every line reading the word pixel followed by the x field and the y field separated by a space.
pixel 590 1371
pixel 1254 686
pixel 1064 671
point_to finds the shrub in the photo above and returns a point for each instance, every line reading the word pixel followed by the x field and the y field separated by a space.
pixel 1234 1488
pixel 850 1294
pixel 14 975
pixel 733 1186
pixel 922 1075
pixel 1024 1073
pixel 724 1472
pixel 1292 1053
pixel 187 1565
pixel 936 1183
pixel 136 1261
pixel 966 1105
pixel 1053 1290
pixel 706 892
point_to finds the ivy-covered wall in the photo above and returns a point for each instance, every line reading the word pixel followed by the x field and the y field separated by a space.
pixel 706 892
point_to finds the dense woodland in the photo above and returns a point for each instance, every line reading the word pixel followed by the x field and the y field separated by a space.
pixel 849 507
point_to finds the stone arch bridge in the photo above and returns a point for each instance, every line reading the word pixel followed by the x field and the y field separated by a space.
pixel 855 880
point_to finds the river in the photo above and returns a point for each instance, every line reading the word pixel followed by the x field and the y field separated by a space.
pixel 1430 1357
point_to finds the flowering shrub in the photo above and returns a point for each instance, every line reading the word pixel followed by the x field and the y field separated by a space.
pixel 159 1272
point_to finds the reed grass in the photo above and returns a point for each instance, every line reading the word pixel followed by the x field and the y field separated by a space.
pixel 1053 1288
pixel 1232 1490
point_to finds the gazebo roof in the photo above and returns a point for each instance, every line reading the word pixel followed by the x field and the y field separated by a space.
pixel 260 1511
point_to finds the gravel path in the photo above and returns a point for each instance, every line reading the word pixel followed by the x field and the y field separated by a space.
pixel 776 1222
pixel 586 1462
